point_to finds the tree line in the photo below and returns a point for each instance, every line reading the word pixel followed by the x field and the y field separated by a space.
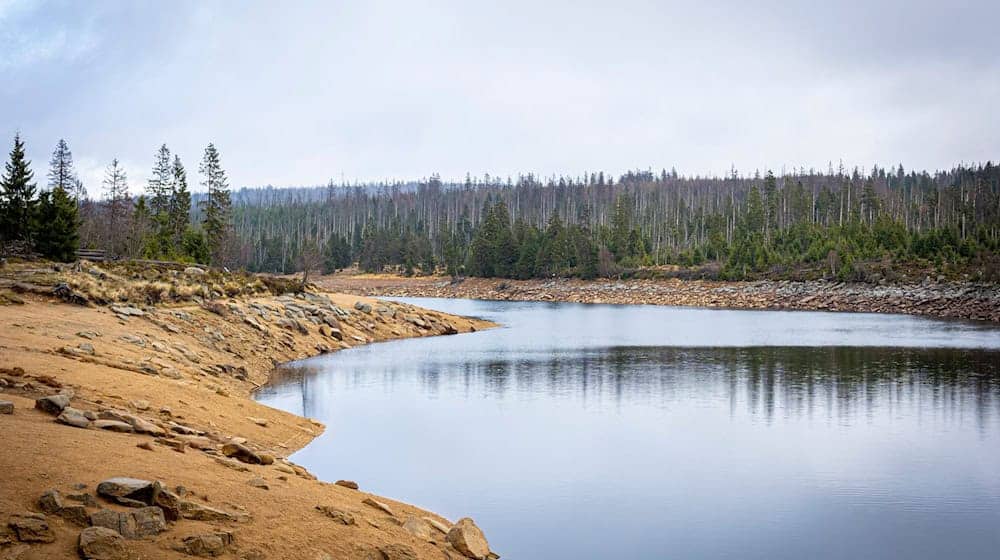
pixel 734 227
pixel 160 224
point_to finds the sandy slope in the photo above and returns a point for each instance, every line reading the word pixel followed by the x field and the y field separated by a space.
pixel 36 453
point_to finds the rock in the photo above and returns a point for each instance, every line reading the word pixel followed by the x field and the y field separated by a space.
pixel 418 528
pixel 138 424
pixel 31 528
pixel 207 545
pixel 142 522
pixel 347 484
pixel 113 426
pixel 149 521
pixel 259 421
pixel 241 452
pixel 194 271
pixel 197 442
pixel 53 404
pixel 50 502
pixel 140 405
pixel 145 445
pixel 132 339
pixel 166 500
pixel 117 521
pixel 127 310
pixel 86 348
pixel 86 499
pixel 6 407
pixel 101 543
pixel 340 516
pixel 126 491
pixel 76 513
pixel 73 417
pixel 398 552
pixel 378 505
pixel 176 445
pixel 362 307
pixel 232 464
pixel 259 483
pixel 468 539
pixel 198 512
pixel 89 335
pixel 436 524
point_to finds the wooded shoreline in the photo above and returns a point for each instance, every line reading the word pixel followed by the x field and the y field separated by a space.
pixel 953 300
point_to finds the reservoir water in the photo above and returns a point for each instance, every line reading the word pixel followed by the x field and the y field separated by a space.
pixel 641 432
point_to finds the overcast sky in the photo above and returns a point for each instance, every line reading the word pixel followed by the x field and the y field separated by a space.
pixel 295 93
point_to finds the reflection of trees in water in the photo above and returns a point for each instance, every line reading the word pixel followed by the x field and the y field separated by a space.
pixel 838 383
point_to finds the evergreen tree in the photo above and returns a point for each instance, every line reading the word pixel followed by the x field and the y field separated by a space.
pixel 159 187
pixel 180 202
pixel 57 235
pixel 116 202
pixel 216 205
pixel 17 195
pixel 61 172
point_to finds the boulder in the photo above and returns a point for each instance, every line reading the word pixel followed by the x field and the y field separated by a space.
pixel 101 543
pixel 127 310
pixel 53 404
pixel 468 539
pixel 340 516
pixel 76 514
pixel 362 307
pixel 166 500
pixel 194 271
pixel 436 524
pixel 149 521
pixel 207 545
pixel 126 491
pixel 347 484
pixel 138 424
pixel 73 417
pixel 31 528
pixel 6 407
pixel 142 522
pixel 50 502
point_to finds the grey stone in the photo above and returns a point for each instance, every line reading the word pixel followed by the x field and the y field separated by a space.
pixel 6 407
pixel 31 528
pixel 73 417
pixel 52 404
pixel 113 426
pixel 101 543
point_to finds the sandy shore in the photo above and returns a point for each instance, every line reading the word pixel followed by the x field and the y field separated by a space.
pixel 195 367
pixel 947 300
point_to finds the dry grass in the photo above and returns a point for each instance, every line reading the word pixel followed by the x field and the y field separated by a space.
pixel 140 283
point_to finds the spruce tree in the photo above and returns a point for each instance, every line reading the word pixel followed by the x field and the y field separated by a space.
pixel 216 205
pixel 18 195
pixel 117 206
pixel 57 233
pixel 61 172
pixel 158 190
pixel 180 202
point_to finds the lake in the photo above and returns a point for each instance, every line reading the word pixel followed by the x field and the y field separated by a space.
pixel 599 431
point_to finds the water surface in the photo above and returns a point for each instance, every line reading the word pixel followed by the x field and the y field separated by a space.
pixel 654 432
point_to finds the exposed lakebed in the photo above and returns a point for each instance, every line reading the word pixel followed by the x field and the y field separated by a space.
pixel 598 431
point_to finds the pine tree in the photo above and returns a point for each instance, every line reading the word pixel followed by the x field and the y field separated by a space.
pixel 217 203
pixel 158 190
pixel 180 202
pixel 57 235
pixel 17 195
pixel 61 172
pixel 116 201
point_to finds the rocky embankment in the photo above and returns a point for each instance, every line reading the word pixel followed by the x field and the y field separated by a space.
pixel 128 431
pixel 936 299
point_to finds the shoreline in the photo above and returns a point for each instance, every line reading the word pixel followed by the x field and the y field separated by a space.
pixel 963 301
pixel 187 374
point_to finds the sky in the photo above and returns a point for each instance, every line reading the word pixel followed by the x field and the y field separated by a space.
pixel 298 93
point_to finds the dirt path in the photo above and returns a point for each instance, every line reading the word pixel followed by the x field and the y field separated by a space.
pixel 947 300
pixel 192 369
